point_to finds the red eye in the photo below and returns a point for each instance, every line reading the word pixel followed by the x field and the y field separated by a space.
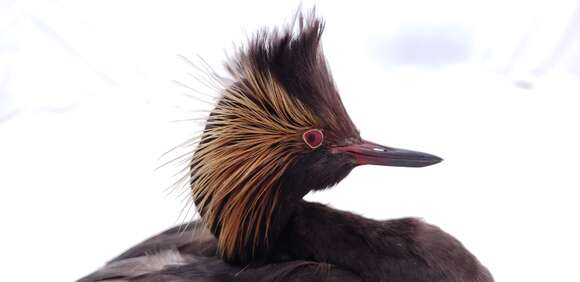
pixel 313 138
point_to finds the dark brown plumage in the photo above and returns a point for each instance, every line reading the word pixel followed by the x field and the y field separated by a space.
pixel 278 131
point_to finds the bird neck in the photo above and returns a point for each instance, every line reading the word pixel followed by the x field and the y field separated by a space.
pixel 405 249
pixel 261 249
pixel 319 233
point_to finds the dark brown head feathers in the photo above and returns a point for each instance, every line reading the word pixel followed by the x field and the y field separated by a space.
pixel 294 58
pixel 279 87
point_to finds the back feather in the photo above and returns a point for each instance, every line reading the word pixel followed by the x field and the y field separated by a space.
pixel 187 256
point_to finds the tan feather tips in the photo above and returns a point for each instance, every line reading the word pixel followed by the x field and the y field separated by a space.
pixel 250 139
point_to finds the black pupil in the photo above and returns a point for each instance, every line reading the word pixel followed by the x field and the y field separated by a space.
pixel 311 137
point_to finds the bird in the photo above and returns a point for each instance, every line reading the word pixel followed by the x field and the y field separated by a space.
pixel 278 131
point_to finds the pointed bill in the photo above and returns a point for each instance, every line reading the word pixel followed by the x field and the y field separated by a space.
pixel 371 153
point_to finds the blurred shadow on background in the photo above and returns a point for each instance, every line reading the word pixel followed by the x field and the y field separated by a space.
pixel 523 44
pixel 425 46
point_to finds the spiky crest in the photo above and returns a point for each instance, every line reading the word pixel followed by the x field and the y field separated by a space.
pixel 279 87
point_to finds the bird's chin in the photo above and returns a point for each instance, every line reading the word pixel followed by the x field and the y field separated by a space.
pixel 335 177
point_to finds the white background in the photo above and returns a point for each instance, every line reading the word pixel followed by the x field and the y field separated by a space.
pixel 86 101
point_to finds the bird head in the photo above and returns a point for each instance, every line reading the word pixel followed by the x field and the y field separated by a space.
pixel 278 131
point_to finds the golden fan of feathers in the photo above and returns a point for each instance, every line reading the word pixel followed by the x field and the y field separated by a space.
pixel 250 139
pixel 279 87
